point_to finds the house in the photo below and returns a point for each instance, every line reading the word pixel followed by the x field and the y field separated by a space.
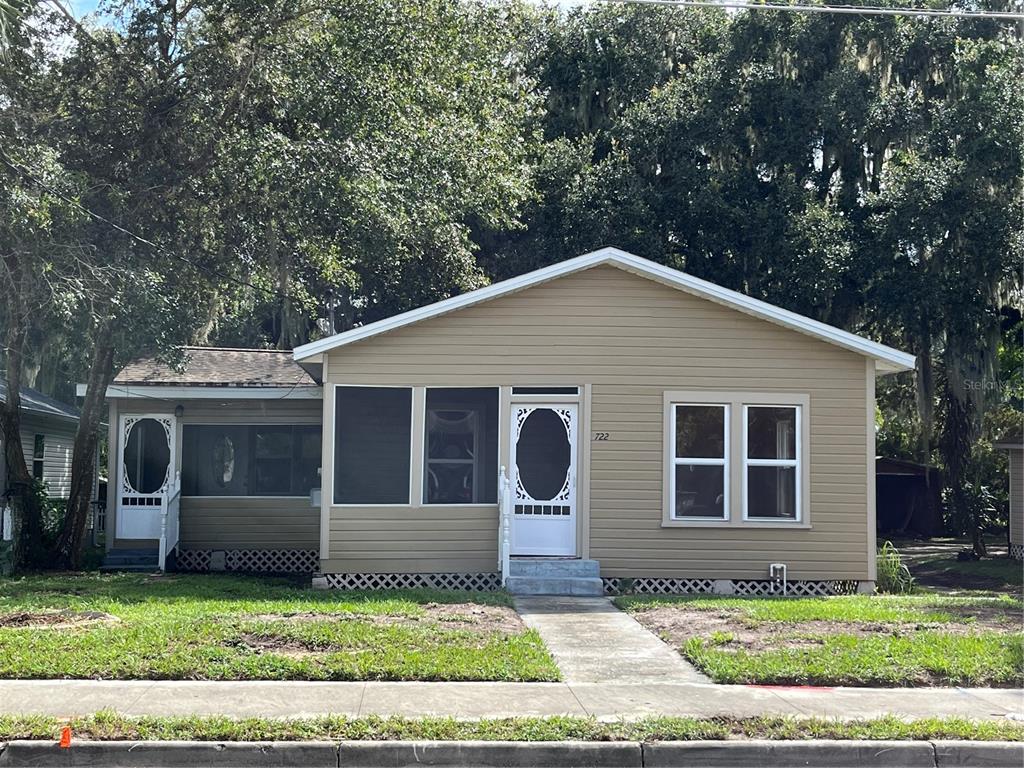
pixel 1013 444
pixel 600 424
pixel 47 436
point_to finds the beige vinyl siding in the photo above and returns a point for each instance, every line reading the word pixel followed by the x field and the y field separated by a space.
pixel 59 444
pixel 1016 457
pixel 249 523
pixel 626 340
pixel 232 522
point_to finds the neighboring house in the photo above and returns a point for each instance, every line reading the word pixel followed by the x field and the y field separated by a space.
pixel 47 437
pixel 1013 444
pixel 620 418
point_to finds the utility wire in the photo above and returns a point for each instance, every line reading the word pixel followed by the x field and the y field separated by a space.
pixel 859 10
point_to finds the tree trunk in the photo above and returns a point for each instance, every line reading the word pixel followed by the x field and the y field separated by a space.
pixel 28 513
pixel 71 543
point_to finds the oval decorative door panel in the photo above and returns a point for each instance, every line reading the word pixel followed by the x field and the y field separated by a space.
pixel 544 482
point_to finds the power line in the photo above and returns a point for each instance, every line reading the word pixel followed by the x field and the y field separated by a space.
pixel 859 10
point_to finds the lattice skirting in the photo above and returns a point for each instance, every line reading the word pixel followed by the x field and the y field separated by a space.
pixel 475 582
pixel 1017 551
pixel 742 587
pixel 250 560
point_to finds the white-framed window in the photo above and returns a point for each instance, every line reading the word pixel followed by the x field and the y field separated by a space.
pixel 699 471
pixel 39 457
pixel 736 459
pixel 771 462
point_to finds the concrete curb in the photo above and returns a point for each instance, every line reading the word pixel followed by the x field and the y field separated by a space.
pixel 503 754
pixel 172 754
pixel 491 754
pixel 821 754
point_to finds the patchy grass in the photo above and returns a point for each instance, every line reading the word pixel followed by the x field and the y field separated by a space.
pixel 108 726
pixel 856 640
pixel 933 564
pixel 215 627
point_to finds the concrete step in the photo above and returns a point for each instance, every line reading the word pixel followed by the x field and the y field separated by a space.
pixel 565 585
pixel 545 567
pixel 130 560
pixel 129 568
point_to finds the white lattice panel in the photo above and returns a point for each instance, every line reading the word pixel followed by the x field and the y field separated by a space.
pixel 1017 551
pixel 252 560
pixel 192 560
pixel 272 560
pixel 475 582
pixel 743 588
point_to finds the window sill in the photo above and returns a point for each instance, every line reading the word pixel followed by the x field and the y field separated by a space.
pixel 739 524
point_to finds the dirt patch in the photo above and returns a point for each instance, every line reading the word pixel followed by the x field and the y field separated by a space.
pixel 676 625
pixel 54 619
pixel 292 649
pixel 473 617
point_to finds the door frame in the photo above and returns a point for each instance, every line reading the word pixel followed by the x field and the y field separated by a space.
pixel 170 423
pixel 551 402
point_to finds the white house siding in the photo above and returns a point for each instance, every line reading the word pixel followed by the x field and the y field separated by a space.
pixel 59 443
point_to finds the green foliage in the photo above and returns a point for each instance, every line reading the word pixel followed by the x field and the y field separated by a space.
pixel 234 628
pixel 893 576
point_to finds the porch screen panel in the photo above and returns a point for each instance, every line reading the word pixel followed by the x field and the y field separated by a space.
pixel 372 445
pixel 461 446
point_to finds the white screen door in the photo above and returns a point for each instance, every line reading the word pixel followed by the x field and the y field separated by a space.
pixel 544 460
pixel 144 473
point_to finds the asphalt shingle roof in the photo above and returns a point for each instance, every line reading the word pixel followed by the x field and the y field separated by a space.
pixel 220 367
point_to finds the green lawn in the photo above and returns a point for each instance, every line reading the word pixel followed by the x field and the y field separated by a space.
pixel 109 726
pixel 856 640
pixel 216 627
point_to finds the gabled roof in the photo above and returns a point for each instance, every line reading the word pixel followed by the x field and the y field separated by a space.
pixel 219 367
pixel 887 359
pixel 35 402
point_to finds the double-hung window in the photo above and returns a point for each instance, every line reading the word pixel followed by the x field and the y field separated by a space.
pixel 39 457
pixel 699 478
pixel 771 488
pixel 736 458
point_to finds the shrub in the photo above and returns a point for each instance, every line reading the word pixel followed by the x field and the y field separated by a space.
pixel 893 576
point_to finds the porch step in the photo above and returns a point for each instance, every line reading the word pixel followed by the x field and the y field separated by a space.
pixel 130 560
pixel 550 576
pixel 553 567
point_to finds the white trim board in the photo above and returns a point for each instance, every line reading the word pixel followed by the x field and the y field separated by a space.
pixel 887 359
pixel 144 392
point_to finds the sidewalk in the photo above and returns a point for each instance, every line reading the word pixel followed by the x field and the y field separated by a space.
pixel 606 701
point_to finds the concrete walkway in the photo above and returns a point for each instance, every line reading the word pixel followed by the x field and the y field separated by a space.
pixel 592 641
pixel 606 701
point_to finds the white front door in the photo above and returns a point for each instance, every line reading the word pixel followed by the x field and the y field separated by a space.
pixel 544 461
pixel 144 472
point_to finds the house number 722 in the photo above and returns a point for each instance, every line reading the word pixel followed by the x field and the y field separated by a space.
pixel 599 436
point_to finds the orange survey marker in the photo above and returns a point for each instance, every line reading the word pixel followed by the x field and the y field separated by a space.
pixel 65 737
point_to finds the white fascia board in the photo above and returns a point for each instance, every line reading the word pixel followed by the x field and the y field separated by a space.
pixel 209 393
pixel 889 360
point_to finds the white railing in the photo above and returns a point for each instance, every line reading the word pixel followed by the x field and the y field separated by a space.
pixel 504 524
pixel 169 514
